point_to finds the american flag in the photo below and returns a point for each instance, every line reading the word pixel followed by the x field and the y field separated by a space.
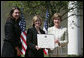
pixel 23 35
pixel 45 28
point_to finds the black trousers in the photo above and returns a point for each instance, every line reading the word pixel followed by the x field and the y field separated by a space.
pixel 34 53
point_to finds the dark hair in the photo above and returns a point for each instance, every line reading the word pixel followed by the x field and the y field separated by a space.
pixel 12 10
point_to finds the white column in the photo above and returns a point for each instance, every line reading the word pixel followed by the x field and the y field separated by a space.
pixel 73 29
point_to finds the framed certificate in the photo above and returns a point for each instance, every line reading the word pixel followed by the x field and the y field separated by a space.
pixel 45 40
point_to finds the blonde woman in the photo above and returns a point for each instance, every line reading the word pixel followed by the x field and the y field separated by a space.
pixel 60 35
pixel 32 49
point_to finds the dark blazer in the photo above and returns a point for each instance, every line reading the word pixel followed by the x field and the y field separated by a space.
pixel 12 38
pixel 32 42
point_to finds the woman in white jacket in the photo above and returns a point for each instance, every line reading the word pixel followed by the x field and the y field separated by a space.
pixel 60 36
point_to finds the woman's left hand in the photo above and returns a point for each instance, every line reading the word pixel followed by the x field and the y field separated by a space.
pixel 37 47
pixel 57 41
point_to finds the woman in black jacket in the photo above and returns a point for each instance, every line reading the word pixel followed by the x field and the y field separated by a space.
pixel 12 34
pixel 32 49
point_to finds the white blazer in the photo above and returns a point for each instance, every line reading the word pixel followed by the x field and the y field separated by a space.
pixel 61 35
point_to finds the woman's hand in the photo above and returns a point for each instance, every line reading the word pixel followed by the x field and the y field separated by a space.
pixel 57 41
pixel 18 51
pixel 37 47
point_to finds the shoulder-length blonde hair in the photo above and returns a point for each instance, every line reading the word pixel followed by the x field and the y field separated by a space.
pixel 35 18
pixel 57 15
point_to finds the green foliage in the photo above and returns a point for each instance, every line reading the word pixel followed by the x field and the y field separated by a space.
pixel 34 7
pixel 39 7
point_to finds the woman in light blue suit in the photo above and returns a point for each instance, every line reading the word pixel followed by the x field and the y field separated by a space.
pixel 60 36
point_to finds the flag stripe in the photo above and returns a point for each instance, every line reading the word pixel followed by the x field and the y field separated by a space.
pixel 23 47
pixel 24 44
pixel 44 51
pixel 25 33
pixel 23 52
pixel 23 40
pixel 24 36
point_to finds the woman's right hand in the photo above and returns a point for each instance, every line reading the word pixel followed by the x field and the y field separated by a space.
pixel 18 51
pixel 37 47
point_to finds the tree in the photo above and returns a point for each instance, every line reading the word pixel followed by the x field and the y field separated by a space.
pixel 32 8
